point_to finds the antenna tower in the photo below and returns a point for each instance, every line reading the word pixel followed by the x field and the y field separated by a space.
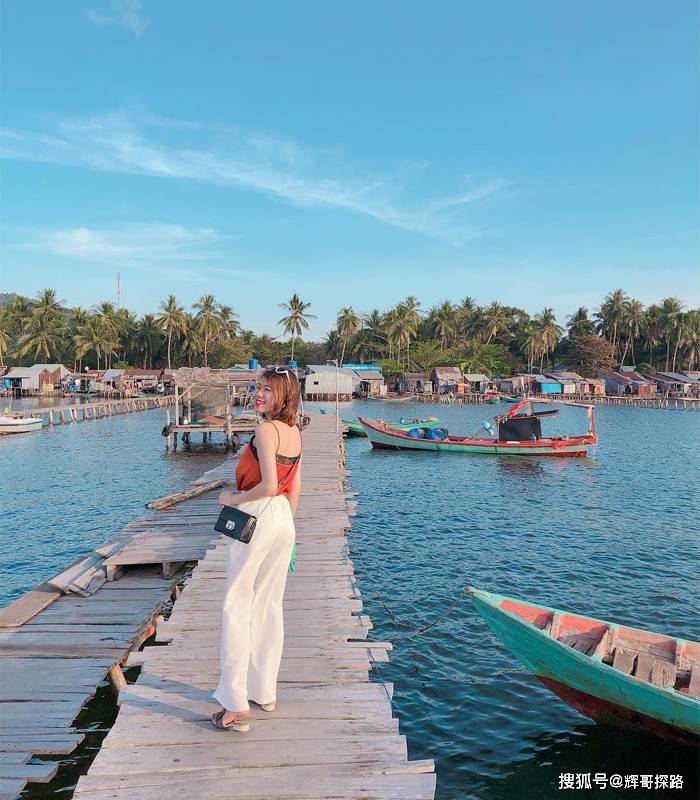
pixel 119 289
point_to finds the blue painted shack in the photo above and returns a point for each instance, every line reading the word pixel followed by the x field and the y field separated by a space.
pixel 545 385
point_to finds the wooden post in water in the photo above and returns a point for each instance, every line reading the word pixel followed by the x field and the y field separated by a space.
pixel 177 396
pixel 228 431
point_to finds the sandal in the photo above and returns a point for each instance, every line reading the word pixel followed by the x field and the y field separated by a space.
pixel 269 707
pixel 239 724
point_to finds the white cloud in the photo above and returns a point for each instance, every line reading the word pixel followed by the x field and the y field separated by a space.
pixel 174 250
pixel 123 13
pixel 277 168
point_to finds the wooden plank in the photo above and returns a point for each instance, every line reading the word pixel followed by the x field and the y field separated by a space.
pixel 34 773
pixel 10 789
pixel 624 660
pixel 663 674
pixel 175 758
pixel 694 685
pixel 28 605
pixel 280 783
pixel 178 497
pixel 40 743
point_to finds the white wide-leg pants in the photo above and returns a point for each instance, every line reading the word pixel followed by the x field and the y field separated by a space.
pixel 252 633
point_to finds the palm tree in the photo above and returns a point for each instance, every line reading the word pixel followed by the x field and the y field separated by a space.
pixel 43 337
pixel 632 322
pixel 401 327
pixel 531 343
pixel 171 320
pixel 126 323
pixel 230 326
pixel 466 313
pixel 495 319
pixel 297 320
pixel 348 324
pixel 77 317
pixel 671 309
pixel 549 333
pixel 374 333
pixel 106 312
pixel 192 342
pixel 96 336
pixel 443 321
pixel 611 315
pixel 652 330
pixel 691 342
pixel 147 338
pixel 683 334
pixel 18 313
pixel 5 338
pixel 579 324
pixel 46 304
pixel 208 320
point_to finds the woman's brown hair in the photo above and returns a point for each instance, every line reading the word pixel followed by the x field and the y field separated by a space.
pixel 285 393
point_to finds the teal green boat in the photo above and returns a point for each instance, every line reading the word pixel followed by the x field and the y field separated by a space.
pixel 355 428
pixel 611 673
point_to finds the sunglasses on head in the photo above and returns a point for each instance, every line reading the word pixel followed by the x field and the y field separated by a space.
pixel 282 371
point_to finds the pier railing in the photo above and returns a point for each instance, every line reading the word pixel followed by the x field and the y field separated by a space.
pixel 81 412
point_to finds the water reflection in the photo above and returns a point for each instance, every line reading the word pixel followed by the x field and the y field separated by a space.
pixel 520 468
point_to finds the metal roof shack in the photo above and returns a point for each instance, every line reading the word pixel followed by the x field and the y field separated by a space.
pixel 414 382
pixel 143 377
pixel 627 383
pixel 568 385
pixel 34 378
pixel 672 383
pixel 476 381
pixel 371 382
pixel 545 385
pixel 320 382
pixel 446 379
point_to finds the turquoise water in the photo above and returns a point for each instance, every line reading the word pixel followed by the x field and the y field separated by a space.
pixel 614 536
pixel 67 489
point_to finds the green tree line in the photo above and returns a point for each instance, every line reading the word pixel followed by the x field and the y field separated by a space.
pixel 495 339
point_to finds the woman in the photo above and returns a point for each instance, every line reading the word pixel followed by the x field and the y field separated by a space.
pixel 269 481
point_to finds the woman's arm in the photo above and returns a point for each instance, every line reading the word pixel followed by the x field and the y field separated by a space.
pixel 266 443
pixel 294 492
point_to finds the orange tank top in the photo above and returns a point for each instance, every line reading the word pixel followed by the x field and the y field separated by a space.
pixel 248 470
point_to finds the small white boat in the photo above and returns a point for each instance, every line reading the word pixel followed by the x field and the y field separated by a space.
pixel 19 424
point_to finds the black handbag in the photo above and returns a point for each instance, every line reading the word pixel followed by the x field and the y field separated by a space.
pixel 236 524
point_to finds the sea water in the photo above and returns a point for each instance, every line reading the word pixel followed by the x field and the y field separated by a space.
pixel 614 536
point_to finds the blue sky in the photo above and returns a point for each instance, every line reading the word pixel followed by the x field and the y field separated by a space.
pixel 533 153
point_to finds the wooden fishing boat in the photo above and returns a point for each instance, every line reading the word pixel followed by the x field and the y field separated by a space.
pixel 608 672
pixel 493 400
pixel 355 428
pixel 509 399
pixel 409 398
pixel 10 424
pixel 514 434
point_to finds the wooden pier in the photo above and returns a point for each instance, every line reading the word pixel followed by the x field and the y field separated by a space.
pixel 333 733
pixel 82 412
pixel 52 661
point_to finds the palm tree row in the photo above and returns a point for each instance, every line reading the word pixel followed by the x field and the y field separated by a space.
pixel 491 338
pixel 465 328
pixel 44 330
